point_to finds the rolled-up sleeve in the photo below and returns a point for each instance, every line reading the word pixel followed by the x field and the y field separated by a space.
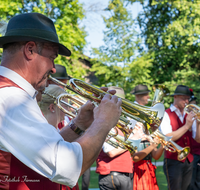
pixel 27 135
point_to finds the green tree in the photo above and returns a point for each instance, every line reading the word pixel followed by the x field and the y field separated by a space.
pixel 66 15
pixel 116 63
pixel 171 30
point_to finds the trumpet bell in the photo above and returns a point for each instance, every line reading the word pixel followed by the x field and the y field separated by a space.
pixel 171 146
pixel 182 152
pixel 160 91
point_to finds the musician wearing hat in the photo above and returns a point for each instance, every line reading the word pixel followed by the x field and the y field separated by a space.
pixel 141 93
pixel 32 152
pixel 144 177
pixel 177 124
pixel 114 165
pixel 195 149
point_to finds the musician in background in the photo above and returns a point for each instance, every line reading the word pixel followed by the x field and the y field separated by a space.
pixel 114 165
pixel 195 149
pixel 177 124
pixel 50 110
pixel 144 177
pixel 141 93
pixel 61 75
pixel 27 141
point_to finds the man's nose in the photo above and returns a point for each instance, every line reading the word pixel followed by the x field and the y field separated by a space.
pixel 53 71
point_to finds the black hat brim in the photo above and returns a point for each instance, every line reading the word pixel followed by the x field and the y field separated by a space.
pixel 10 39
pixel 179 94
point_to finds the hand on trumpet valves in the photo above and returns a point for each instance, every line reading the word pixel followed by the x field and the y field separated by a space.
pixel 108 111
pixel 155 142
pixel 85 117
pixel 191 117
pixel 138 132
pixel 109 105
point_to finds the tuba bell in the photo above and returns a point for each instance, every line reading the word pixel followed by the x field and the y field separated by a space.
pixel 160 91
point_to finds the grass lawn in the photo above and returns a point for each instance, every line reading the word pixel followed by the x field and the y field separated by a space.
pixel 162 183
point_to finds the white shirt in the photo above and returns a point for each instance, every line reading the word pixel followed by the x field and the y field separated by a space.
pixel 166 127
pixel 25 133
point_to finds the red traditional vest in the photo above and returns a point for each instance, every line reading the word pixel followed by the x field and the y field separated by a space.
pixel 183 141
pixel 120 163
pixel 14 175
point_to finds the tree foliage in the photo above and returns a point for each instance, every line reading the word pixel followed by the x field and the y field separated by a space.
pixel 171 29
pixel 116 63
pixel 66 15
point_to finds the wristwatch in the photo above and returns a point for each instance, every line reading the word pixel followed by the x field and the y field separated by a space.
pixel 75 128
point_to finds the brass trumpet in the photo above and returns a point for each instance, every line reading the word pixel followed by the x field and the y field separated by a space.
pixel 150 115
pixel 193 107
pixel 171 146
pixel 130 145
pixel 59 100
pixel 118 141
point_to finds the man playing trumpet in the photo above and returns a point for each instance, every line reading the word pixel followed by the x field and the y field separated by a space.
pixel 177 123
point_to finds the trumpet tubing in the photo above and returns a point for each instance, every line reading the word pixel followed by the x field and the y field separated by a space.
pixel 151 116
pixel 117 140
pixel 171 146
pixel 193 107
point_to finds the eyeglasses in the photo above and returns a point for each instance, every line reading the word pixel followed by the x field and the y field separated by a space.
pixel 185 98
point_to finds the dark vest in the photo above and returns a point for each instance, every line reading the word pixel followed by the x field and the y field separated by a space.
pixel 121 163
pixel 14 175
pixel 195 147
pixel 183 141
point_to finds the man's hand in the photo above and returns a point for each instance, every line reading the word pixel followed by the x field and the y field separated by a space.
pixel 138 132
pixel 108 111
pixel 85 115
pixel 190 119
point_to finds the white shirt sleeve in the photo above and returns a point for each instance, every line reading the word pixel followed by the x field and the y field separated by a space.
pixel 194 129
pixel 27 135
pixel 165 126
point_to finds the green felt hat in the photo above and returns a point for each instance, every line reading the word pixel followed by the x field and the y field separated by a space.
pixel 182 90
pixel 140 89
pixel 32 27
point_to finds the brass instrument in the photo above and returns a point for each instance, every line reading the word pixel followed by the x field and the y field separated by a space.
pixel 171 146
pixel 150 115
pixel 160 92
pixel 59 100
pixel 118 141
pixel 193 107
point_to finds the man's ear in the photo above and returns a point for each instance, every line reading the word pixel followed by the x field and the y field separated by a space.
pixel 52 108
pixel 30 49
